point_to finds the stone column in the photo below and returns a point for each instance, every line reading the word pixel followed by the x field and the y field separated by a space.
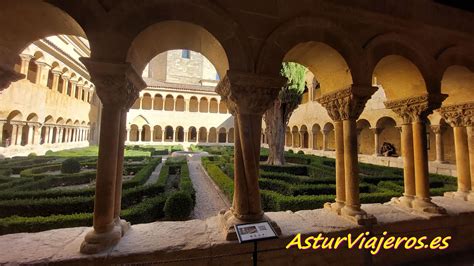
pixel 43 73
pixel 73 88
pixel 31 129
pixel 458 116
pixel 140 135
pixel 377 132
pixel 56 75
pixel 25 64
pixel 117 86
pixel 347 105
pixel 185 136
pixel 415 110
pixel 128 134
pixel 50 134
pixel 248 96
pixel 59 135
pixel 438 130
pixel 14 134
pixel 65 84
pixel 325 139
pixel 2 123
pixel 19 136
pixel 470 141
pixel 36 135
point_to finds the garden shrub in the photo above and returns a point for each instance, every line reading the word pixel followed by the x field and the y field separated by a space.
pixel 32 154
pixel 178 206
pixel 300 152
pixel 70 166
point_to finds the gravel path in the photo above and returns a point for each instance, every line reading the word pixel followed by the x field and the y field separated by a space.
pixel 209 199
pixel 156 173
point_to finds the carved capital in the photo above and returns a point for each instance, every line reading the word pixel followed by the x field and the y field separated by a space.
pixel 438 129
pixel 117 84
pixel 416 109
pixel 248 93
pixel 458 115
pixel 347 103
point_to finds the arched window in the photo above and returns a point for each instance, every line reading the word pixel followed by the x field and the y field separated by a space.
pixel 179 134
pixel 213 106
pixel 203 105
pixel 158 102
pixel 146 102
pixel 193 104
pixel 169 103
pixel 169 134
pixel 192 134
pixel 179 104
pixel 222 135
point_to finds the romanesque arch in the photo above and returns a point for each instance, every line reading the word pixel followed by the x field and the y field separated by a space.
pixel 169 103
pixel 222 135
pixel 157 134
pixel 169 133
pixel 179 134
pixel 146 102
pixel 317 136
pixel 213 106
pixel 158 102
pixel 192 134
pixel 365 136
pixel 202 134
pixel 203 105
pixel 193 104
pixel 389 132
pixel 180 104
pixel 212 135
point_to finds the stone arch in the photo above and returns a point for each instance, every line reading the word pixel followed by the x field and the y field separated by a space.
pixel 169 133
pixel 202 134
pixel 213 106
pixel 389 133
pixel 140 120
pixel 146 102
pixel 456 55
pixel 179 134
pixel 54 66
pixel 222 135
pixel 212 135
pixel 457 83
pixel 203 105
pixel 180 104
pixel 317 137
pixel 398 62
pixel 169 103
pixel 231 135
pixel 304 137
pixel 193 104
pixel 158 102
pixel 365 137
pixel 192 134
pixel 157 134
pixel 330 47
pixel 200 33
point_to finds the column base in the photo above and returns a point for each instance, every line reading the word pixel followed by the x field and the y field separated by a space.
pixel 470 197
pixel 357 215
pixel 334 206
pixel 459 195
pixel 227 220
pixel 95 242
pixel 425 205
pixel 404 201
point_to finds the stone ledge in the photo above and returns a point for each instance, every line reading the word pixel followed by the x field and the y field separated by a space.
pixel 201 242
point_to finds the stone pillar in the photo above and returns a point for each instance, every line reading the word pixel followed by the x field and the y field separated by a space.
pixel 140 135
pixel 31 131
pixel 2 123
pixel 185 136
pixel 248 96
pixel 19 136
pixel 56 75
pixel 50 134
pixel 470 141
pixel 459 116
pixel 438 130
pixel 37 135
pixel 325 139
pixel 415 110
pixel 59 135
pixel 377 132
pixel 25 64
pixel 65 84
pixel 117 86
pixel 347 105
pixel 73 88
pixel 14 134
pixel 43 73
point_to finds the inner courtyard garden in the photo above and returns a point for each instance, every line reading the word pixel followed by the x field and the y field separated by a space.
pixel 45 192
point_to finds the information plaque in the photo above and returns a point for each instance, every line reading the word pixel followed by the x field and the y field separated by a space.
pixel 253 232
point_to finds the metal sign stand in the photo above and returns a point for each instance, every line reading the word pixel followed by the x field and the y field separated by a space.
pixel 254 232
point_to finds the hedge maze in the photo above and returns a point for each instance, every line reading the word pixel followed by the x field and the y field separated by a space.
pixel 307 181
pixel 37 193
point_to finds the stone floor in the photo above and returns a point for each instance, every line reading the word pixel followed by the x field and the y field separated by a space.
pixel 200 242
pixel 209 199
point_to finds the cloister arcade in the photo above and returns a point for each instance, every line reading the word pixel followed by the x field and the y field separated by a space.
pixel 180 104
pixel 421 61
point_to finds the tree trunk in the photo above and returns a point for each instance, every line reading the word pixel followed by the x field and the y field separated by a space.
pixel 275 134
